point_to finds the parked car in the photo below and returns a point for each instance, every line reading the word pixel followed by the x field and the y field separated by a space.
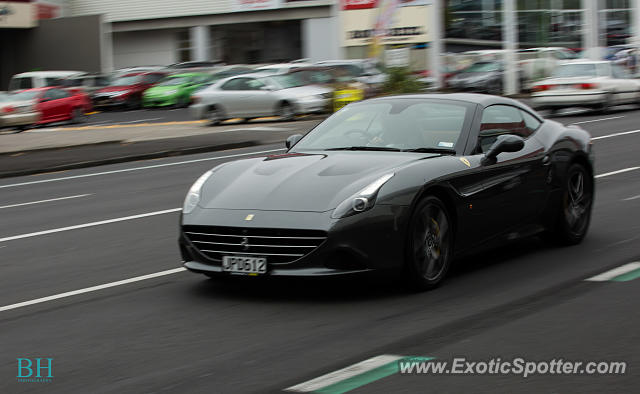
pixel 364 70
pixel 484 76
pixel 126 91
pixel 88 83
pixel 39 79
pixel 16 112
pixel 281 68
pixel 594 84
pixel 253 95
pixel 53 104
pixel 174 90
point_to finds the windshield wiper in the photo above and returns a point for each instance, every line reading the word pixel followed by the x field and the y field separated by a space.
pixel 444 151
pixel 380 148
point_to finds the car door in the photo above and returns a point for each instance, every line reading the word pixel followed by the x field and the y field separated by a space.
pixel 233 96
pixel 627 89
pixel 46 105
pixel 262 99
pixel 514 188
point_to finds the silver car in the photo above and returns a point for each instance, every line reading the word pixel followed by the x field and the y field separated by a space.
pixel 250 96
pixel 17 111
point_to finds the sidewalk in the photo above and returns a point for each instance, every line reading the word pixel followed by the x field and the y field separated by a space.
pixel 61 148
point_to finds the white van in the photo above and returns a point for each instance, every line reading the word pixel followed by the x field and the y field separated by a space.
pixel 39 79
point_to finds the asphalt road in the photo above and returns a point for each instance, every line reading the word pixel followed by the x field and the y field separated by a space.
pixel 181 333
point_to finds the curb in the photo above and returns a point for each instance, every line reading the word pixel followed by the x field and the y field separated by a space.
pixel 123 159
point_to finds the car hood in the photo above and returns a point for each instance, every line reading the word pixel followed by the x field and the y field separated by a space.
pixel 162 89
pixel 298 182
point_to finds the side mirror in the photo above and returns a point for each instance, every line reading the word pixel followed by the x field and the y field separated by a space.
pixel 504 143
pixel 267 88
pixel 292 140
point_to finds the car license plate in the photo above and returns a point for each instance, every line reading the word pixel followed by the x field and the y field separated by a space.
pixel 244 265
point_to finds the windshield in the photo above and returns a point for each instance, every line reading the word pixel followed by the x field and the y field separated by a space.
pixel 173 81
pixel 575 70
pixel 483 67
pixel 401 124
pixel 126 81
pixel 29 95
pixel 284 81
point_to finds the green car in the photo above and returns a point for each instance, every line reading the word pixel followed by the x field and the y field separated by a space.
pixel 174 90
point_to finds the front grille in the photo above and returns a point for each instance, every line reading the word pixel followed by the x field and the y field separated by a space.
pixel 279 246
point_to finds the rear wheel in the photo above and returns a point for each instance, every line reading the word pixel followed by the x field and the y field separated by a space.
pixel 605 106
pixel 133 103
pixel 78 115
pixel 214 115
pixel 286 111
pixel 429 246
pixel 574 214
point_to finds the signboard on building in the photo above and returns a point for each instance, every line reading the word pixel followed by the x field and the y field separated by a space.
pixel 365 4
pixel 397 57
pixel 409 26
pixel 255 5
pixel 17 15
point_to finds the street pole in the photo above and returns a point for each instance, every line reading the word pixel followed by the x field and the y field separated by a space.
pixel 590 29
pixel 435 19
pixel 510 45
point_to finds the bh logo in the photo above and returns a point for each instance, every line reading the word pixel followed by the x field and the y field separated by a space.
pixel 35 370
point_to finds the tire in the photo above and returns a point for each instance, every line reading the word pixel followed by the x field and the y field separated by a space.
pixel 78 115
pixel 133 103
pixel 286 112
pixel 605 107
pixel 214 115
pixel 182 102
pixel 574 212
pixel 429 247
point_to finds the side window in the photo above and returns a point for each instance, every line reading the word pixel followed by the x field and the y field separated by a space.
pixel 254 84
pixel 498 120
pixel 619 72
pixel 21 83
pixel 152 78
pixel 59 93
pixel 233 84
pixel 52 82
pixel 49 94
pixel 530 121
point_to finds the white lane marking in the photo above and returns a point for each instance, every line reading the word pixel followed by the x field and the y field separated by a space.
pixel 615 134
pixel 139 168
pixel 344 373
pixel 42 201
pixel 598 120
pixel 92 224
pixel 617 172
pixel 631 198
pixel 90 289
pixel 615 272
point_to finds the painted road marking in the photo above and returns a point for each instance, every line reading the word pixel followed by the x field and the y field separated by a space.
pixel 617 172
pixel 324 381
pixel 85 225
pixel 42 201
pixel 598 120
pixel 620 274
pixel 90 289
pixel 631 198
pixel 140 168
pixel 615 134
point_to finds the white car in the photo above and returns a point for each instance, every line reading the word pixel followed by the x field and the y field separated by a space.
pixel 39 79
pixel 594 84
pixel 250 96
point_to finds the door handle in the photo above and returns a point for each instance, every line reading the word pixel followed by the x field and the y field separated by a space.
pixel 546 160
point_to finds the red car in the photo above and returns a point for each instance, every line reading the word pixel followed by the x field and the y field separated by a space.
pixel 126 91
pixel 55 104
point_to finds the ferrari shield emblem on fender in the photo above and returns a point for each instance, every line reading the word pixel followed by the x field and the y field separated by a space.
pixel 249 217
pixel 465 161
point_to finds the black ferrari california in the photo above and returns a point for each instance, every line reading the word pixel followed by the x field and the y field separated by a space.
pixel 406 183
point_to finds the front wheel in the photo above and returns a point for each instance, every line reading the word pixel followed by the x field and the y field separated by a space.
pixel 214 115
pixel 575 211
pixel 429 246
pixel 286 112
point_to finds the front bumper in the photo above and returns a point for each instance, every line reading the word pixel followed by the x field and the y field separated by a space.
pixel 372 240
pixel 108 101
pixel 159 101
pixel 312 105
pixel 568 99
pixel 21 119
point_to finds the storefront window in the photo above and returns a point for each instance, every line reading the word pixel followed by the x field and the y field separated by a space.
pixel 184 46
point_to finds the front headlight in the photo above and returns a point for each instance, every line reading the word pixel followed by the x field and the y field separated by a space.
pixel 312 98
pixel 363 200
pixel 193 197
